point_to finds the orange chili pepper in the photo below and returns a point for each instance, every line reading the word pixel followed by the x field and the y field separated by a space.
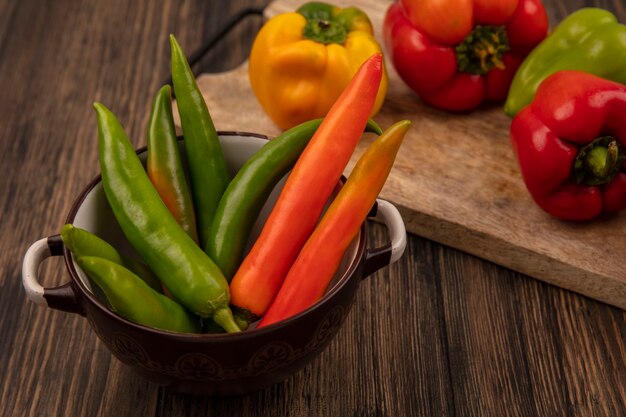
pixel 320 257
pixel 305 194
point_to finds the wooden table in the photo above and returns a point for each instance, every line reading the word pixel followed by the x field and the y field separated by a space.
pixel 439 333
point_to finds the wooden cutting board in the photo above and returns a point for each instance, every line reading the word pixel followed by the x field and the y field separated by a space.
pixel 456 182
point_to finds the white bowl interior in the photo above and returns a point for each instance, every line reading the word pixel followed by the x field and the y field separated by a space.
pixel 95 215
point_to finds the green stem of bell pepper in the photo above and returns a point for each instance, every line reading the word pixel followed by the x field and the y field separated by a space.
pixel 482 50
pixel 189 274
pixel 132 298
pixel 165 167
pixel 207 167
pixel 590 40
pixel 598 162
pixel 80 242
pixel 247 192
pixel 328 24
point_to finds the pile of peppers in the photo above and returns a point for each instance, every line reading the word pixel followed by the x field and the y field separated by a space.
pixel 569 106
pixel 567 132
pixel 190 230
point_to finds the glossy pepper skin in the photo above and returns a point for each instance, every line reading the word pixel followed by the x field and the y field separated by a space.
pixel 321 256
pixel 300 62
pixel 207 167
pixel 589 40
pixel 165 167
pixel 247 192
pixel 181 265
pixel 132 298
pixel 80 242
pixel 305 194
pixel 456 54
pixel 569 143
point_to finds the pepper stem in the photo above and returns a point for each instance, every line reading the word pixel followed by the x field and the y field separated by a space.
pixel 482 50
pixel 325 31
pixel 598 162
pixel 224 317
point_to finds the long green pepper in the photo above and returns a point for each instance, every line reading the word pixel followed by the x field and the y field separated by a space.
pixel 247 192
pixel 133 299
pixel 165 167
pixel 81 242
pixel 207 167
pixel 189 274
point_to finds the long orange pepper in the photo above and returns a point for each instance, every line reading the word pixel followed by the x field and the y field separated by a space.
pixel 320 257
pixel 305 194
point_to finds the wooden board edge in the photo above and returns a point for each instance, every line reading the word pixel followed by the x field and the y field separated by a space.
pixel 524 261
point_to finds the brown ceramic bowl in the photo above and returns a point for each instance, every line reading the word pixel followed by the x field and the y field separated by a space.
pixel 225 364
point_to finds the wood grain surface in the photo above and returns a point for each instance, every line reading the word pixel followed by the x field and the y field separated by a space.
pixel 440 333
pixel 456 181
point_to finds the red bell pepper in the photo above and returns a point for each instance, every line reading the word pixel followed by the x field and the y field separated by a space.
pixel 320 257
pixel 569 143
pixel 455 54
pixel 305 194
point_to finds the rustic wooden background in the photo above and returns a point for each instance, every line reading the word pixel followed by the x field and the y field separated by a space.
pixel 441 333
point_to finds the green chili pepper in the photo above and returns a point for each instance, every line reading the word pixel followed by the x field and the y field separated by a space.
pixel 165 167
pixel 207 167
pixel 133 299
pixel 589 40
pixel 189 274
pixel 247 192
pixel 83 243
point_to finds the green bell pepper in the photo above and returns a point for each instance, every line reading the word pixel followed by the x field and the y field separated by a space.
pixel 590 40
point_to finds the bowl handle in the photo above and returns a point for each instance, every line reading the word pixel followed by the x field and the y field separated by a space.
pixel 377 258
pixel 61 298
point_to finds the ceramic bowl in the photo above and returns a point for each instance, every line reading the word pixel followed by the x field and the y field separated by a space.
pixel 223 364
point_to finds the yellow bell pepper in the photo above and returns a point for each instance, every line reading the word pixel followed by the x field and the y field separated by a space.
pixel 301 62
